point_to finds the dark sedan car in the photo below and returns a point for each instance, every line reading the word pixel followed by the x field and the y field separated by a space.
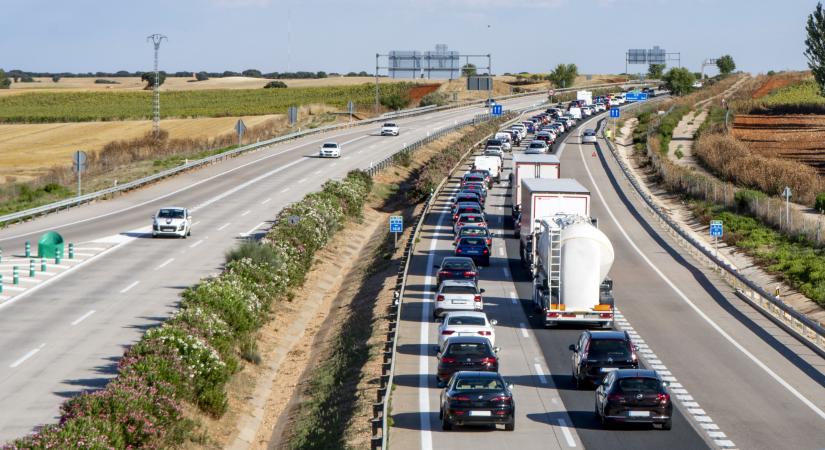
pixel 474 247
pixel 456 268
pixel 477 398
pixel 598 352
pixel 637 396
pixel 465 353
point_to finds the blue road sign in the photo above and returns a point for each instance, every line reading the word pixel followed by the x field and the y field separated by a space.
pixel 614 113
pixel 716 228
pixel 396 224
pixel 497 110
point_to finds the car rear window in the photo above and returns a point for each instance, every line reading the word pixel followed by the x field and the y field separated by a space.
pixel 472 219
pixel 472 241
pixel 536 145
pixel 608 348
pixel 494 142
pixel 646 385
pixel 449 289
pixel 465 320
pixel 458 265
pixel 466 383
pixel 467 231
pixel 466 349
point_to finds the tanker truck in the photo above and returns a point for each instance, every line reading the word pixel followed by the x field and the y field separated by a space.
pixel 570 262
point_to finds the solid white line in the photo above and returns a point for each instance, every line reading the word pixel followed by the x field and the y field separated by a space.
pixel 501 251
pixel 358 152
pixel 83 317
pixel 506 272
pixel 27 356
pixel 246 212
pixel 513 297
pixel 165 263
pixel 693 306
pixel 566 432
pixel 356 139
pixel 523 330
pixel 266 201
pixel 540 374
pixel 224 226
pixel 127 288
pixel 196 244
pixel 93 249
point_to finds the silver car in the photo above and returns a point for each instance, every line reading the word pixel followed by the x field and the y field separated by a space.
pixel 589 136
pixel 458 295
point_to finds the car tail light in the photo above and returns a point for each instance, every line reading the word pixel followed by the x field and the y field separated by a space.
pixel 440 298
pixel 469 273
pixel 489 360
pixel 477 298
pixel 501 399
pixel 632 352
pixel 447 360
pixel 457 412
pixel 663 398
pixel 458 250
pixel 501 412
pixel 606 315
pixel 444 272
pixel 615 398
pixel 485 251
pixel 447 332
pixel 460 398
pixel 552 314
pixel 485 333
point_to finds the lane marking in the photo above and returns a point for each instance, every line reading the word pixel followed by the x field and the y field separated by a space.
pixel 252 230
pixel 693 306
pixel 246 212
pixel 267 200
pixel 501 251
pixel 566 432
pixel 506 272
pixel 540 374
pixel 196 223
pixel 513 297
pixel 196 244
pixel 224 226
pixel 317 172
pixel 354 140
pixel 165 263
pixel 523 330
pixel 83 317
pixel 302 180
pixel 128 288
pixel 27 356
pixel 285 190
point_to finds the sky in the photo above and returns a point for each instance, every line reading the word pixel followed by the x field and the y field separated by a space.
pixel 344 35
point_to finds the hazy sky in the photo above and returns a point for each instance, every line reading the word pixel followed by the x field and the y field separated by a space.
pixel 341 36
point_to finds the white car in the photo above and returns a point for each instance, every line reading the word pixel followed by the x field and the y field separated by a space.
pixel 458 295
pixel 172 221
pixel 536 148
pixel 330 150
pixel 389 129
pixel 494 151
pixel 505 140
pixel 589 136
pixel 466 323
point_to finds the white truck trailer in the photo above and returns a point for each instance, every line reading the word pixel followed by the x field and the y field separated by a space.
pixel 587 96
pixel 543 197
pixel 530 166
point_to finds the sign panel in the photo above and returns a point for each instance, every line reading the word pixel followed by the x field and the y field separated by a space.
pixel 480 83
pixel 79 161
pixel 396 224
pixel 716 228
pixel 614 113
pixel 497 110
pixel 240 127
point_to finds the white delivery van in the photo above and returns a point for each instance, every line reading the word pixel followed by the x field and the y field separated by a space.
pixel 575 112
pixel 492 164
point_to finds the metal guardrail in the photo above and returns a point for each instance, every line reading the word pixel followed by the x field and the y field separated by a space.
pixel 805 330
pixel 75 201
pixel 382 406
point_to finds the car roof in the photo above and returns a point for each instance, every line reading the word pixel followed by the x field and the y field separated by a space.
pixel 465 314
pixel 458 283
pixel 463 238
pixel 635 373
pixel 456 259
pixel 474 227
pixel 171 207
pixel 467 340
pixel 462 205
pixel 614 335
pixel 470 214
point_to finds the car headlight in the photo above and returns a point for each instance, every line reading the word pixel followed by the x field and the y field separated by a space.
pixel 181 226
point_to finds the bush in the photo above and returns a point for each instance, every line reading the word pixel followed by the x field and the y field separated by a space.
pixel 275 84
pixel 403 159
pixel 819 204
pixel 745 197
pixel 201 76
pixel 254 251
pixel 394 101
pixel 102 81
pixel 434 98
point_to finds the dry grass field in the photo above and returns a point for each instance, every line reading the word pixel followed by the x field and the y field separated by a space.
pixel 790 136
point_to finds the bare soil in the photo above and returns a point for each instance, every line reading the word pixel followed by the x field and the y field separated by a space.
pixel 795 137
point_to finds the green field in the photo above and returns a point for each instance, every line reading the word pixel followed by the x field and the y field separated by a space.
pixel 103 106
pixel 804 92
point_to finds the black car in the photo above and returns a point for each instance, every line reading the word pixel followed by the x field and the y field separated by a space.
pixel 634 396
pixel 456 268
pixel 477 398
pixel 465 353
pixel 598 352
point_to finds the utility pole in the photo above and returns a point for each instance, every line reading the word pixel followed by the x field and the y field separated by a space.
pixel 376 82
pixel 156 39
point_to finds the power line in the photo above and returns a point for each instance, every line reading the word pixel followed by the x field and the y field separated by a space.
pixel 156 39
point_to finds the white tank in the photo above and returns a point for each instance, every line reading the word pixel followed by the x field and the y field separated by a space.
pixel 586 258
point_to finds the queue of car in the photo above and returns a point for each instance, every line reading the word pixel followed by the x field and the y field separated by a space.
pixel 474 393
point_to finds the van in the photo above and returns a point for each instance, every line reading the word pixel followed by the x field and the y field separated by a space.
pixel 575 112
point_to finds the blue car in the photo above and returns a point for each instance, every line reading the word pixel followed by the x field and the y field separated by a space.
pixel 475 248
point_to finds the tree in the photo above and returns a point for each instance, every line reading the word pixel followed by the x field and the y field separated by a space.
pixel 5 83
pixel 321 74
pixel 394 101
pixel 679 80
pixel 201 76
pixel 725 64
pixel 149 78
pixel 253 73
pixel 275 84
pixel 815 45
pixel 655 71
pixel 564 75
pixel 55 78
pixel 469 70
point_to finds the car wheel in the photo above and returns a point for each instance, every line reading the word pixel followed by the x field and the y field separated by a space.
pixel 606 423
pixel 511 425
pixel 440 414
pixel 446 425
pixel 577 381
pixel 667 425
pixel 189 232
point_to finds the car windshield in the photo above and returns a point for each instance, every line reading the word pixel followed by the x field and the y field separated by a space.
pixel 472 241
pixel 608 348
pixel 457 265
pixel 450 289
pixel 467 320
pixel 170 214
pixel 389 125
pixel 466 349
pixel 330 145
pixel 478 384
pixel 646 385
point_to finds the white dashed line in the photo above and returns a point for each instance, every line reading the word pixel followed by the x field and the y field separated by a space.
pixel 254 229
pixel 568 436
pixel 246 212
pixel 196 244
pixel 302 180
pixel 540 374
pixel 513 297
pixel 128 288
pixel 196 223
pixel 317 172
pixel 266 201
pixel 83 317
pixel 224 226
pixel 523 329
pixel 27 356
pixel 285 190
pixel 165 263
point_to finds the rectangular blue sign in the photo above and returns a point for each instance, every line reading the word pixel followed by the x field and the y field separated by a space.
pixel 716 228
pixel 614 113
pixel 396 224
pixel 497 110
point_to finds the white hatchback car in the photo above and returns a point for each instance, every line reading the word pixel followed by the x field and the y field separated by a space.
pixel 466 323
pixel 589 136
pixel 458 295
pixel 330 150
pixel 172 221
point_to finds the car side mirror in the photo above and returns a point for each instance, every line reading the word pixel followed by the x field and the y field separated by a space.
pixel 496 349
pixel 572 348
pixel 494 322
pixel 453 244
pixel 665 383
pixel 510 386
pixel 482 290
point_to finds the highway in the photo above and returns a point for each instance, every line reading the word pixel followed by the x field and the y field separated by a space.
pixel 65 335
pixel 737 380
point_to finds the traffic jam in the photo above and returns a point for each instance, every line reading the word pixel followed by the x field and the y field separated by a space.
pixel 568 259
